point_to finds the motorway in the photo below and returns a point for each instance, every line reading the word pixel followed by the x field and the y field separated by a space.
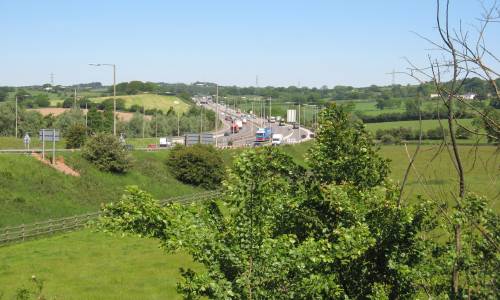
pixel 246 136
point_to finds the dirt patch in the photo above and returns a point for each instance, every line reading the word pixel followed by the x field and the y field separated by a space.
pixel 59 165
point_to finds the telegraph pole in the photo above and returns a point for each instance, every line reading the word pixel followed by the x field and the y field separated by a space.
pixel 217 112
pixel 16 117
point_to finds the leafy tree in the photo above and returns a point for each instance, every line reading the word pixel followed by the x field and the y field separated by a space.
pixel 4 92
pixel 67 119
pixel 344 151
pixel 199 165
pixel 75 136
pixel 41 100
pixel 28 121
pixel 107 153
pixel 280 237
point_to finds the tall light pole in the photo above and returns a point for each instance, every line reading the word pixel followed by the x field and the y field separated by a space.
pixel 16 117
pixel 114 92
pixel 217 112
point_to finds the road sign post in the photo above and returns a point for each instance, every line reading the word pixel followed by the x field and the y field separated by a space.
pixel 49 135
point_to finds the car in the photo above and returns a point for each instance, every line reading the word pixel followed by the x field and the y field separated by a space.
pixel 227 133
pixel 295 126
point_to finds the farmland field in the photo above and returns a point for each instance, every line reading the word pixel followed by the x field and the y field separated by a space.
pixel 151 101
pixel 426 124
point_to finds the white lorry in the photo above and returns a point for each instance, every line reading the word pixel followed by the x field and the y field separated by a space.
pixel 277 139
pixel 239 123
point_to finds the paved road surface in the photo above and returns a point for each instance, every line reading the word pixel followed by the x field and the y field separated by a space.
pixel 246 136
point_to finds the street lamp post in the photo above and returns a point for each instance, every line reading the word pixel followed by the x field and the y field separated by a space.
pixel 114 92
pixel 217 112
pixel 16 117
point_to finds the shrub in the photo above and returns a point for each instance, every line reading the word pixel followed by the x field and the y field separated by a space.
pixel 75 137
pixel 462 133
pixel 107 153
pixel 388 139
pixel 199 165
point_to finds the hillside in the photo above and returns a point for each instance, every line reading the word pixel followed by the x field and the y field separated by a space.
pixel 32 191
pixel 151 101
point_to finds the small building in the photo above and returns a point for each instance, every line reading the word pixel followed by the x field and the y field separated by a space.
pixel 469 96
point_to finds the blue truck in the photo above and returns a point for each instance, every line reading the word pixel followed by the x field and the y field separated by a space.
pixel 263 134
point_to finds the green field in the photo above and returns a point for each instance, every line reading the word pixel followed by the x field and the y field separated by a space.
pixel 151 101
pixel 480 163
pixel 31 191
pixel 426 124
pixel 367 107
pixel 90 265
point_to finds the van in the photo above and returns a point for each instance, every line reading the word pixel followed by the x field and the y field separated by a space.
pixel 277 139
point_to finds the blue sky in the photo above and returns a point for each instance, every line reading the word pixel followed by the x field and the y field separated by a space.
pixel 315 43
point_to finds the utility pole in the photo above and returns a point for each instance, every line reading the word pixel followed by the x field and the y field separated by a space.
pixel 270 114
pixel 16 117
pixel 393 75
pixel 51 79
pixel 217 112
pixel 143 120
pixel 86 113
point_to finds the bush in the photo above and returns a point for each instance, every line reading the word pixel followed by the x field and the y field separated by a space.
pixel 107 153
pixel 388 139
pixel 75 137
pixel 199 165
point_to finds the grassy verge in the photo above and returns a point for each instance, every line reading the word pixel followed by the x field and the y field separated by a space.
pixel 89 265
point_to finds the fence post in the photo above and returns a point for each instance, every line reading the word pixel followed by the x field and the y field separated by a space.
pixel 22 231
pixel 50 226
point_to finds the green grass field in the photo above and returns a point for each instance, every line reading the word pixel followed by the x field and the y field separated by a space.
pixel 31 191
pixel 89 265
pixel 426 124
pixel 151 101
pixel 368 107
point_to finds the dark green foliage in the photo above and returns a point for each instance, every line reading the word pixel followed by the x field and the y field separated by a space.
pixel 463 133
pixel 75 136
pixel 344 152
pixel 388 139
pixel 199 165
pixel 107 153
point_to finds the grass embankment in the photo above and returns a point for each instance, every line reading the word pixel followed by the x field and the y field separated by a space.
pixel 89 265
pixel 151 101
pixel 31 191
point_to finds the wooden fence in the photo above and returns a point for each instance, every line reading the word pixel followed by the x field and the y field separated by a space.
pixel 26 232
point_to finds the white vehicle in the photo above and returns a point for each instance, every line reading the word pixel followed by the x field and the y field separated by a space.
pixel 272 119
pixel 244 120
pixel 277 139
pixel 164 143
pixel 239 123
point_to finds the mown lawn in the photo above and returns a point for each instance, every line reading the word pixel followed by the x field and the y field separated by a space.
pixel 90 265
